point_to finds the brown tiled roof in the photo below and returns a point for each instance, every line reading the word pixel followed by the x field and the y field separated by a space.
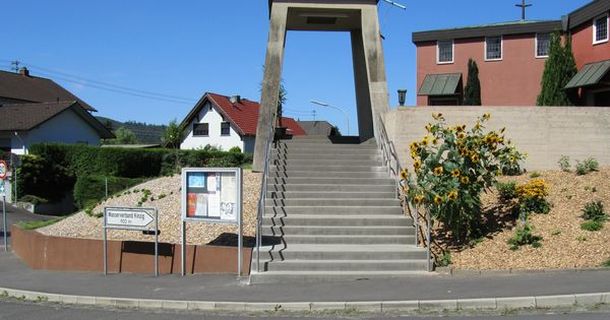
pixel 27 116
pixel 35 89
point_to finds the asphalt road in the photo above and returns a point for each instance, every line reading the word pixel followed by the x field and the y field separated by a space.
pixel 13 310
pixel 15 215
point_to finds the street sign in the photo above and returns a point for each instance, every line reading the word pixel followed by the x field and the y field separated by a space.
pixel 128 218
pixel 2 189
pixel 137 219
pixel 3 169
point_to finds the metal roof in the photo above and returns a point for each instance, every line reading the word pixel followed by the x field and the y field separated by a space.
pixel 440 84
pixel 587 12
pixel 590 74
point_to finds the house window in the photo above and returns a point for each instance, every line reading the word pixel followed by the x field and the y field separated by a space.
pixel 201 129
pixel 225 129
pixel 493 48
pixel 444 51
pixel 600 29
pixel 543 44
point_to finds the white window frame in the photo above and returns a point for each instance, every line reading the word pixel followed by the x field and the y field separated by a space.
pixel 438 52
pixel 536 45
pixel 501 49
pixel 595 41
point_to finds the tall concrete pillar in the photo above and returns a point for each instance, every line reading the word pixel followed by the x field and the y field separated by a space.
pixel 360 18
pixel 271 83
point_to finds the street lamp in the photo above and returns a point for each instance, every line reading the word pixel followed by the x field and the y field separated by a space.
pixel 324 104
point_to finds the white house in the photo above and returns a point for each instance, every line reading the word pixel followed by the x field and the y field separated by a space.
pixel 225 122
pixel 24 124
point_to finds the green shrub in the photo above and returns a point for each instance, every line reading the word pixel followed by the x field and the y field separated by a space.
pixel 33 225
pixel 592 225
pixel 510 160
pixel 606 264
pixel 532 197
pixel 33 199
pixel 594 211
pixel 534 174
pixel 581 169
pixel 452 167
pixel 43 179
pixel 564 163
pixel 588 165
pixel 445 259
pixel 90 190
pixel 507 190
pixel 524 236
pixel 235 150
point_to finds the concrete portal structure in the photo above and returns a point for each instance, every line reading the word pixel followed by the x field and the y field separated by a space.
pixel 360 18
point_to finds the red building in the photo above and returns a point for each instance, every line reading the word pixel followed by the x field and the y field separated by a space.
pixel 511 58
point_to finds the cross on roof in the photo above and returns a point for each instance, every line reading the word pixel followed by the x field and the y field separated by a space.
pixel 523 7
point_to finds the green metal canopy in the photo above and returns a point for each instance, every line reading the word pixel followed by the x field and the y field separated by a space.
pixel 440 84
pixel 590 74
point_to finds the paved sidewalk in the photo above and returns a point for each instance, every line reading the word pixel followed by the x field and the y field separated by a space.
pixel 15 275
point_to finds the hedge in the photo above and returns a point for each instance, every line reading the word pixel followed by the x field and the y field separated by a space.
pixel 51 170
pixel 92 189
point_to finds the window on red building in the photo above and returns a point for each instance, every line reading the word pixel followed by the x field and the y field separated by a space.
pixel 493 48
pixel 543 44
pixel 444 51
pixel 600 29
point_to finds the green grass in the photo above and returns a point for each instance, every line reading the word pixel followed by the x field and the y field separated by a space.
pixel 606 264
pixel 246 166
pixel 592 225
pixel 33 225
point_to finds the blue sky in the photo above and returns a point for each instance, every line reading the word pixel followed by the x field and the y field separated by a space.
pixel 185 48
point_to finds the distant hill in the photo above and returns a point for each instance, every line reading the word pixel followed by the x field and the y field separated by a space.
pixel 146 133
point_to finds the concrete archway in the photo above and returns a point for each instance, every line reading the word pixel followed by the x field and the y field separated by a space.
pixel 360 18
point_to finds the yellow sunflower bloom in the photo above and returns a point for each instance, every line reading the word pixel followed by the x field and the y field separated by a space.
pixel 461 135
pixel 455 173
pixel 404 174
pixel 418 199
pixel 417 165
pixel 474 157
pixel 453 195
pixel 438 170
pixel 438 199
pixel 465 180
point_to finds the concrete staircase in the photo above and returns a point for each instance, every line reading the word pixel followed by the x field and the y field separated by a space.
pixel 331 213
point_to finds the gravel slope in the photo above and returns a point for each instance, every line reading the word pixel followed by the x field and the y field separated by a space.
pixel 81 225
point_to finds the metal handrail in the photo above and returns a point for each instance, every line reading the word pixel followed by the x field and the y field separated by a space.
pixel 262 196
pixel 390 159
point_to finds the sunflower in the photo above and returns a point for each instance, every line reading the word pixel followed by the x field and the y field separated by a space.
pixel 429 127
pixel 414 147
pixel 435 141
pixel 413 155
pixel 418 199
pixel 438 200
pixel 474 157
pixel 404 174
pixel 438 171
pixel 461 135
pixel 417 165
pixel 487 116
pixel 455 172
pixel 453 195
pixel 437 116
pixel 465 180
pixel 425 141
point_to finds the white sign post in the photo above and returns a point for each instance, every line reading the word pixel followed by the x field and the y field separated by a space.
pixel 136 219
pixel 212 195
pixel 3 174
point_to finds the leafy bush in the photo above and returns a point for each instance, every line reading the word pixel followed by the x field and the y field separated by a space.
pixel 594 211
pixel 588 165
pixel 43 179
pixel 592 225
pixel 524 236
pixel 90 190
pixel 235 149
pixel 510 160
pixel 564 163
pixel 535 174
pixel 33 199
pixel 532 196
pixel 445 259
pixel 606 264
pixel 452 167
pixel 507 190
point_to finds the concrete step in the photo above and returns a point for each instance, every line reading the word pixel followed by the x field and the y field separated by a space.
pixel 339 157
pixel 326 276
pixel 325 163
pixel 332 202
pixel 331 181
pixel 330 195
pixel 348 239
pixel 327 174
pixel 297 211
pixel 323 146
pixel 325 151
pixel 337 167
pixel 340 252
pixel 346 265
pixel 337 220
pixel 331 188
pixel 343 230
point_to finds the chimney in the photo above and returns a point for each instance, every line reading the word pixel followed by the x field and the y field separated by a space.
pixel 235 99
pixel 24 72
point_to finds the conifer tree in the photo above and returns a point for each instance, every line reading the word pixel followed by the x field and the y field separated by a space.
pixel 559 68
pixel 472 91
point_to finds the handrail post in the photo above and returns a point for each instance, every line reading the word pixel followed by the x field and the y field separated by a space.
pixel 428 241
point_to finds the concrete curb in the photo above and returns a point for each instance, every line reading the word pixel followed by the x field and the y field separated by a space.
pixel 466 272
pixel 498 304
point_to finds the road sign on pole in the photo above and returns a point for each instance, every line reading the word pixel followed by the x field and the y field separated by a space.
pixel 3 169
pixel 4 231
pixel 137 219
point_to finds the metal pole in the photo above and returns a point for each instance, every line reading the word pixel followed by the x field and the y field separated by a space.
pixel 240 239
pixel 183 247
pixel 429 223
pixel 156 243
pixel 4 232
pixel 106 184
pixel 15 200
pixel 105 247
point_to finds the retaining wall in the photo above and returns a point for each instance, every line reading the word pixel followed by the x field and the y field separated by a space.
pixel 545 133
pixel 39 251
